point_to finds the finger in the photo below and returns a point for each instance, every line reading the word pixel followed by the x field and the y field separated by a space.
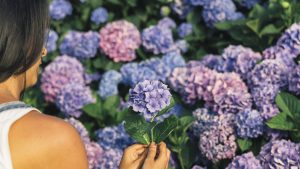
pixel 163 151
pixel 140 160
pixel 151 151
pixel 135 147
pixel 168 155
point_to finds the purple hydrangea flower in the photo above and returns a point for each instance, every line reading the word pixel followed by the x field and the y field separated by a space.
pixel 134 73
pixel 94 154
pixel 149 97
pixel 294 80
pixel 157 39
pixel 280 154
pixel 271 72
pixel 249 124
pixel 156 64
pixel 72 97
pixel 268 111
pixel 80 128
pixel 173 60
pixel 280 53
pixel 111 159
pixel 181 8
pixel 215 62
pixel 273 134
pixel 291 39
pixel 185 29
pixel 182 46
pixel 59 9
pixel 245 161
pixel 199 2
pixel 119 40
pixel 218 142
pixel 248 3
pixel 114 137
pixel 109 84
pixel 220 10
pixel 264 95
pixel 204 119
pixel 51 41
pixel 166 23
pixel 80 45
pixel 99 15
pixel 240 59
pixel 63 70
pixel 230 94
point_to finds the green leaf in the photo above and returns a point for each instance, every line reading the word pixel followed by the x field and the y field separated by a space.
pixel 281 122
pixel 162 130
pixel 288 104
pixel 172 103
pixel 111 102
pixel 138 129
pixel 185 122
pixel 93 110
pixel 244 144
pixel 254 25
pixel 270 29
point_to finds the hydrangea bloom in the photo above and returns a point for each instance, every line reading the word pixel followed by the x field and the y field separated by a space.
pixel 167 23
pixel 157 39
pixel 80 128
pixel 72 97
pixel 249 124
pixel 280 53
pixel 63 70
pixel 218 142
pixel 119 40
pixel 99 15
pixel 51 41
pixel 134 73
pixel 59 9
pixel 215 62
pixel 245 161
pixel 114 137
pixel 291 39
pixel 294 80
pixel 264 95
pixel 89 78
pixel 94 154
pixel 149 97
pixel 240 59
pixel 181 45
pixel 220 10
pixel 268 111
pixel 162 71
pixel 273 134
pixel 199 2
pixel 185 29
pixel 280 154
pixel 248 3
pixel 109 84
pixel 204 119
pixel 80 45
pixel 173 60
pixel 110 159
pixel 272 72
pixel 230 94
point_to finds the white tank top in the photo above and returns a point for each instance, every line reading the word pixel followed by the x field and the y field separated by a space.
pixel 9 113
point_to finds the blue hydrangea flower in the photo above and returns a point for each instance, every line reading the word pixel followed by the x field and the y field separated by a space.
pixel 248 3
pixel 272 72
pixel 111 159
pixel 199 2
pixel 173 60
pixel 162 71
pixel 215 62
pixel 114 137
pixel 51 41
pixel 59 9
pixel 204 120
pixel 134 73
pixel 291 39
pixel 182 45
pixel 157 39
pixel 280 154
pixel 279 53
pixel 149 97
pixel 294 80
pixel 245 161
pixel 264 94
pixel 99 15
pixel 72 98
pixel 268 111
pixel 240 59
pixel 166 23
pixel 220 10
pixel 249 124
pixel 109 84
pixel 185 29
pixel 80 45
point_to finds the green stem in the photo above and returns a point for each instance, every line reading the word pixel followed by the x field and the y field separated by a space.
pixel 180 159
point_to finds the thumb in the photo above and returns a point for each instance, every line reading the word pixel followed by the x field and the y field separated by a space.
pixel 151 152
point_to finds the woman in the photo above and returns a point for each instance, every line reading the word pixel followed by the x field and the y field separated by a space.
pixel 28 138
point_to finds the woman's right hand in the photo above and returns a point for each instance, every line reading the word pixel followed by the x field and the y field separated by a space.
pixel 159 161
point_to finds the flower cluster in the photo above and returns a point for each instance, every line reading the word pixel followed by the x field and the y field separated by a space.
pixel 214 62
pixel 294 80
pixel 203 120
pixel 80 45
pixel 149 97
pixel 110 159
pixel 59 9
pixel 119 40
pixel 249 124
pixel 51 41
pixel 109 84
pixel 280 154
pixel 185 29
pixel 99 15
pixel 62 71
pixel 245 161
pixel 290 40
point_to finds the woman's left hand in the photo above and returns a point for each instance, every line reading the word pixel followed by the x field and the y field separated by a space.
pixel 133 157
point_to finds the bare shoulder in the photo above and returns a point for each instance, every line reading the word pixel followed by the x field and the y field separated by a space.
pixel 38 140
